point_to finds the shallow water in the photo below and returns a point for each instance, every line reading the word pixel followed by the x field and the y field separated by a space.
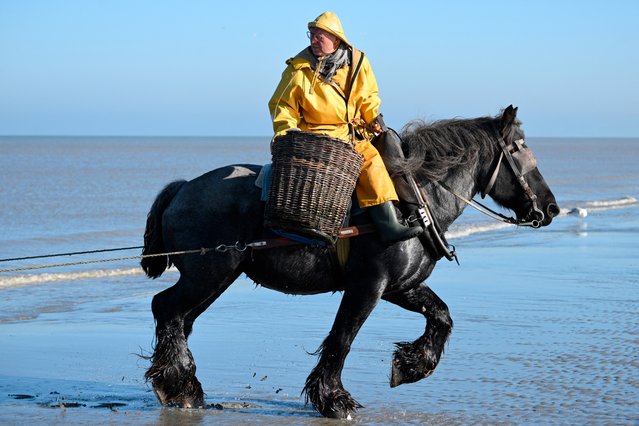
pixel 546 321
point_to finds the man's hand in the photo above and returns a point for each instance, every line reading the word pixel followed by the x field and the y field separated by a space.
pixel 375 127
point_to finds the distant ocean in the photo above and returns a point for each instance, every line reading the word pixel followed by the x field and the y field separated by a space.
pixel 67 194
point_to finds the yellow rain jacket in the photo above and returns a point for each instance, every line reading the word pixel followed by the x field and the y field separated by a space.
pixel 304 100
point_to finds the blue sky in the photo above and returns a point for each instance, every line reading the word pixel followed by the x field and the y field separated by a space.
pixel 142 67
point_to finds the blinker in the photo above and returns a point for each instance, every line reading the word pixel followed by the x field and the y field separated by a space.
pixel 523 156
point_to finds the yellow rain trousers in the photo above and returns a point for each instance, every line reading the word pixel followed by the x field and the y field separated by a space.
pixel 305 101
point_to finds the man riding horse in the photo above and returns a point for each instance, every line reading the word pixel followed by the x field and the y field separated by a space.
pixel 329 87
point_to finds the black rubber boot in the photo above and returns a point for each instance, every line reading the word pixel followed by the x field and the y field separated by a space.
pixel 389 228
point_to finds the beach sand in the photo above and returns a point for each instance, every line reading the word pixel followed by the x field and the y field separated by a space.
pixel 546 331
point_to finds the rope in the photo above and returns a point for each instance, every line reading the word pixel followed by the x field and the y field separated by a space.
pixel 201 251
pixel 222 248
pixel 69 254
pixel 491 213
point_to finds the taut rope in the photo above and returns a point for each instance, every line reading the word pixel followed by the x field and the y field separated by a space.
pixel 69 254
pixel 351 231
pixel 201 251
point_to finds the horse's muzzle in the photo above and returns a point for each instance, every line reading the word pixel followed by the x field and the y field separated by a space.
pixel 537 218
pixel 552 210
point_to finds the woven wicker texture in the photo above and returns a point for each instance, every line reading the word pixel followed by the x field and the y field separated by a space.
pixel 313 177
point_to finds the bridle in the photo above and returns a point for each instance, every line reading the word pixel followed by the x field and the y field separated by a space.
pixel 521 161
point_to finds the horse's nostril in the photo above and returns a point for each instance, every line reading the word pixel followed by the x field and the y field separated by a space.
pixel 552 210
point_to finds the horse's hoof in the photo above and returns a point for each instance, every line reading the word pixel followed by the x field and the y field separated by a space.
pixel 341 406
pixel 410 364
pixel 193 403
pixel 161 396
pixel 194 397
pixel 396 376
pixel 339 414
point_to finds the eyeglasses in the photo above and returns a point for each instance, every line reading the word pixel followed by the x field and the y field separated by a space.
pixel 319 35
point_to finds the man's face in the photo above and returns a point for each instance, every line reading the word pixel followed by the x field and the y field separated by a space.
pixel 322 42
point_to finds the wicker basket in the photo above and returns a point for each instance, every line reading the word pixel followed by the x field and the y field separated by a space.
pixel 313 177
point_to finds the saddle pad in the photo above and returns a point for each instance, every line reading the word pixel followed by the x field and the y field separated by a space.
pixel 263 181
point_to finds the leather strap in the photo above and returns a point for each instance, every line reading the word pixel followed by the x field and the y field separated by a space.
pixel 493 178
pixel 356 65
pixel 349 232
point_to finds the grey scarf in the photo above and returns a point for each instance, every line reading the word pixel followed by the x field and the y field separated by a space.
pixel 333 62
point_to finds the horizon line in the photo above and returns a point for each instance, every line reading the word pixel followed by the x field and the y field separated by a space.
pixel 244 136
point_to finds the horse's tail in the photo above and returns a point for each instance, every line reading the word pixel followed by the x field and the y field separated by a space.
pixel 153 241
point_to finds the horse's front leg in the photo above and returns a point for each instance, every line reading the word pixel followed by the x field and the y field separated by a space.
pixel 418 360
pixel 324 389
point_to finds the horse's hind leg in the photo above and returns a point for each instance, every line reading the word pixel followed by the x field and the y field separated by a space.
pixel 190 318
pixel 418 360
pixel 172 370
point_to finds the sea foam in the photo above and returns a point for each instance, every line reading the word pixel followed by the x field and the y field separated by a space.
pixel 31 279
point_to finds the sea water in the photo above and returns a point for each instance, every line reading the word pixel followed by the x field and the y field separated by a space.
pixel 545 320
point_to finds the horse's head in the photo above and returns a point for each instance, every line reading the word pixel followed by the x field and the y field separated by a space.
pixel 512 178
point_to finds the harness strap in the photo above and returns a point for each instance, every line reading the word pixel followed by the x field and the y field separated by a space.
pixel 493 178
pixel 440 246
pixel 356 64
pixel 348 232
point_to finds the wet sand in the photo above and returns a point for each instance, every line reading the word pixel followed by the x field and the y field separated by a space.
pixel 546 332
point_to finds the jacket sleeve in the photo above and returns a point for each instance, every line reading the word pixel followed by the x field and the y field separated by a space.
pixel 369 109
pixel 284 104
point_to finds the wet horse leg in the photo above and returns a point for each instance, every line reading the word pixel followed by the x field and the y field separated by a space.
pixel 418 360
pixel 324 389
pixel 172 370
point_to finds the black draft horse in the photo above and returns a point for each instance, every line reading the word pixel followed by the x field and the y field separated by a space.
pixel 224 206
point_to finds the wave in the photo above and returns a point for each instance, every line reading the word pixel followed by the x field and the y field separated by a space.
pixel 612 204
pixel 472 229
pixel 30 279
pixel 582 208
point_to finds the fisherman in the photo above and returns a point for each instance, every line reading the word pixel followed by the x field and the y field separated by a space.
pixel 330 88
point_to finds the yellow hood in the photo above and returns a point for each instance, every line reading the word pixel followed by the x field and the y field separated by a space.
pixel 329 22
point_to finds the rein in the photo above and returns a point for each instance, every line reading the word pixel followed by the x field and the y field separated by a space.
pixel 518 154
pixel 490 212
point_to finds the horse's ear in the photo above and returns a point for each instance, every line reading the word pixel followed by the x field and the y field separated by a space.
pixel 508 117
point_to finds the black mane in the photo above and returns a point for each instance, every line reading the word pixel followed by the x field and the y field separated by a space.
pixel 434 149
